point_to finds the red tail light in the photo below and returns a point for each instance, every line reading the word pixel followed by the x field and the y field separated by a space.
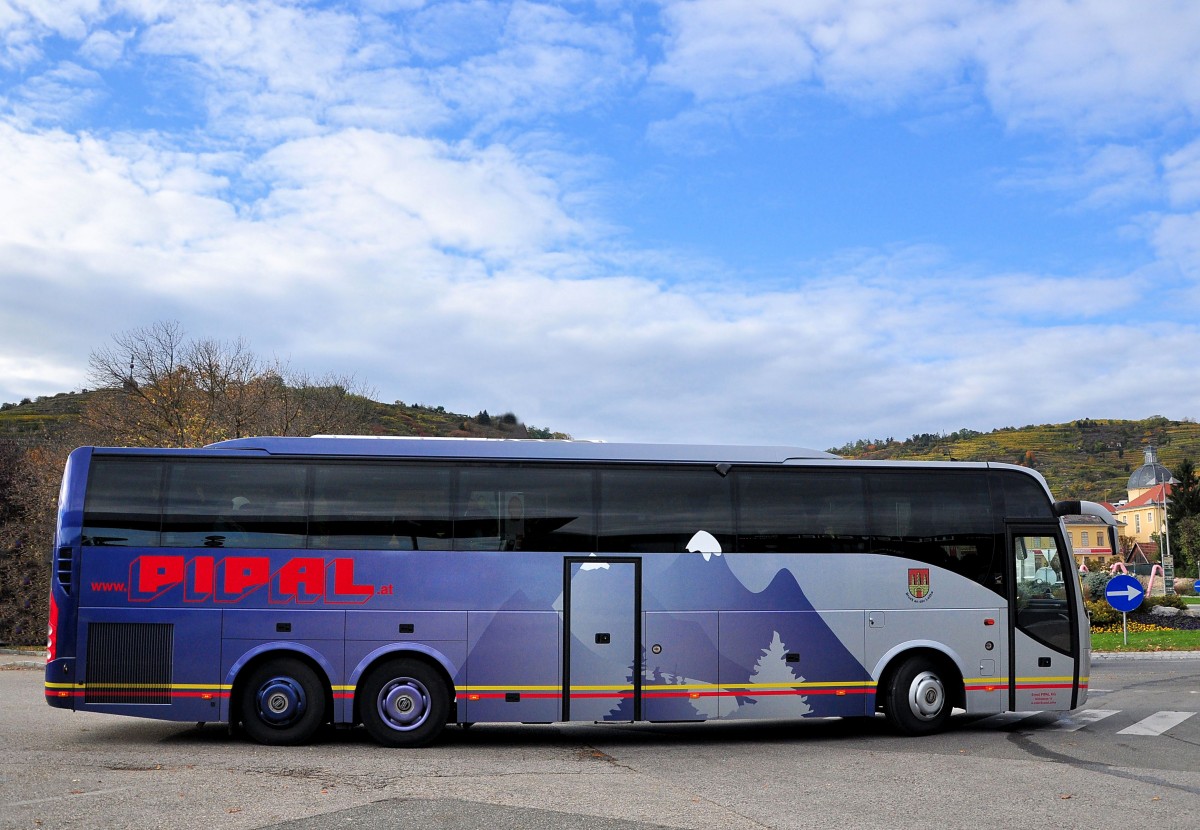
pixel 52 632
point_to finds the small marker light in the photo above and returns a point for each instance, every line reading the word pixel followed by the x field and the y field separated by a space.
pixel 989 621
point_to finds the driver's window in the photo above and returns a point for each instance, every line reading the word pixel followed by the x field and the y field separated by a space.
pixel 1042 609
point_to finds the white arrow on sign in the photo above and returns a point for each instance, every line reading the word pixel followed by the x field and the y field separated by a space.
pixel 1129 592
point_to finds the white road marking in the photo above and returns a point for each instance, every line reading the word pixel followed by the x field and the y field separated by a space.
pixel 1157 723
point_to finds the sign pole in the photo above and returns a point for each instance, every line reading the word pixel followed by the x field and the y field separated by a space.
pixel 1125 626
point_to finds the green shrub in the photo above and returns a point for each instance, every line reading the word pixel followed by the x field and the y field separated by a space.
pixel 1172 601
pixel 1102 613
pixel 1094 583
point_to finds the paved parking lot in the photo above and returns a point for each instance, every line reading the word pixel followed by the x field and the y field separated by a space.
pixel 82 770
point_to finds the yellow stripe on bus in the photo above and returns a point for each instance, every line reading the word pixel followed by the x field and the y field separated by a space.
pixel 509 688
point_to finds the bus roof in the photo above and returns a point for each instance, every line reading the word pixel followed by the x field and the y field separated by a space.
pixel 515 449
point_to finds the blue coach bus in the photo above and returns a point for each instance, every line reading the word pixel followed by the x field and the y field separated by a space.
pixel 281 584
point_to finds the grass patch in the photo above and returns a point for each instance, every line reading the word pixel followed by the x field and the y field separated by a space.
pixel 1145 638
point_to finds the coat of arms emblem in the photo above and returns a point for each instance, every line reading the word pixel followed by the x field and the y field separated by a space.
pixel 918 583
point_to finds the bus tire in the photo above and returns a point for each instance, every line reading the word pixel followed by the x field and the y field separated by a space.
pixel 282 702
pixel 403 703
pixel 917 701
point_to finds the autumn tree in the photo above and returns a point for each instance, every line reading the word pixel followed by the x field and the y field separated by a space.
pixel 157 387
pixel 29 480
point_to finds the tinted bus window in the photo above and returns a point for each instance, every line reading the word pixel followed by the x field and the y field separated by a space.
pixel 525 508
pixel 1024 497
pixel 941 518
pixel 380 507
pixel 122 502
pixel 234 504
pixel 801 511
pixel 646 510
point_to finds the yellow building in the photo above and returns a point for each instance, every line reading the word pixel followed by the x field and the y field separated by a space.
pixel 1144 514
pixel 1090 539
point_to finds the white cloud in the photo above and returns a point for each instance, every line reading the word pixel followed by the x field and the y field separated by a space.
pixel 725 48
pixel 63 17
pixel 397 99
pixel 424 267
pixel 278 70
pixel 342 219
pixel 479 199
pixel 284 48
pixel 89 197
pixel 103 49
pixel 1091 68
pixel 864 49
pixel 545 60
pixel 445 30
pixel 1182 175
pixel 1108 176
pixel 1176 238
pixel 61 94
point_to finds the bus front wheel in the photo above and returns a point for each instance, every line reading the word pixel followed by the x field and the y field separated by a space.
pixel 403 703
pixel 283 702
pixel 917 702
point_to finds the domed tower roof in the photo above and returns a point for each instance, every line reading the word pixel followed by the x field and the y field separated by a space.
pixel 1150 473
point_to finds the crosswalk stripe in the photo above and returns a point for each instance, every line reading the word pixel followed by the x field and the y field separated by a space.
pixel 1157 723
pixel 1078 720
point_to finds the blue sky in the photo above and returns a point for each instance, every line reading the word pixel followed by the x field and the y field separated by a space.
pixel 747 221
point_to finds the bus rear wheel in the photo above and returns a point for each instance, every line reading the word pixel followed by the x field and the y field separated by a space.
pixel 403 703
pixel 283 702
pixel 916 701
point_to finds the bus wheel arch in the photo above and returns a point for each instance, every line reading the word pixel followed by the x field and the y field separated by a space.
pixel 919 689
pixel 281 698
pixel 404 699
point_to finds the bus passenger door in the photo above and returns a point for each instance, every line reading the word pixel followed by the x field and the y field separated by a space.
pixel 601 663
pixel 1044 668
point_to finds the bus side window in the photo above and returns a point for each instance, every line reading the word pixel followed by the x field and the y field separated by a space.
pixel 380 507
pixel 234 504
pixel 477 520
pixel 122 507
pixel 942 519
pixel 646 510
pixel 515 507
pixel 801 511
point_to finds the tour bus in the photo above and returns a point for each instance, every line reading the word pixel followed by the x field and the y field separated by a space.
pixel 282 584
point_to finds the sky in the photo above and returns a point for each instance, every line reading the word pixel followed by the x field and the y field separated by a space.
pixel 796 222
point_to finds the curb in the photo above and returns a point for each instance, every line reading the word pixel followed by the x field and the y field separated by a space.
pixel 22 658
pixel 1145 655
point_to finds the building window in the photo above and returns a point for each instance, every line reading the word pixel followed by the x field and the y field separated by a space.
pixel 1084 534
pixel 1137 522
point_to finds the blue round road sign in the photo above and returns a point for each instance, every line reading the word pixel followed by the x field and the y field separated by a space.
pixel 1124 593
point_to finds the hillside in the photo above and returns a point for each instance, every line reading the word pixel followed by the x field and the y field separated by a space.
pixel 30 419
pixel 1088 459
